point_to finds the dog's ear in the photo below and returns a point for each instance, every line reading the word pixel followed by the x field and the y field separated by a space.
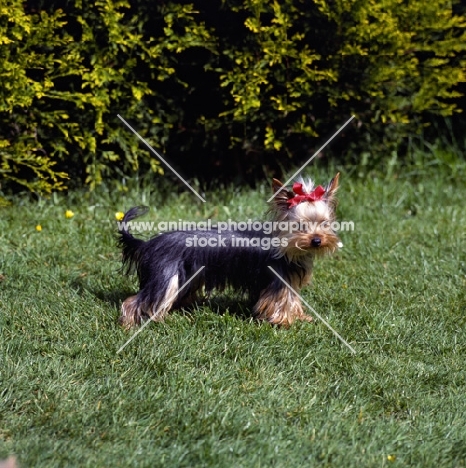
pixel 332 188
pixel 281 195
pixel 276 185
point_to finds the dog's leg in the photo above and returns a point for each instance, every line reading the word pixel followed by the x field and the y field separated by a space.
pixel 135 308
pixel 279 305
pixel 159 309
pixel 130 312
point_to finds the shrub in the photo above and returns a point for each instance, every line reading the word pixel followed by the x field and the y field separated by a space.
pixel 66 76
pixel 26 79
pixel 302 68
pixel 227 89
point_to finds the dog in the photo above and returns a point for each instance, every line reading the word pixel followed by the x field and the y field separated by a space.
pixel 268 266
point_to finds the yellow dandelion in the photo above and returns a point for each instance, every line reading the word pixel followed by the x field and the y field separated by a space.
pixel 38 228
pixel 391 458
pixel 119 215
pixel 69 214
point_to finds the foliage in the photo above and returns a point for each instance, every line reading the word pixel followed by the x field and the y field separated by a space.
pixel 228 89
pixel 303 68
pixel 65 77
pixel 24 159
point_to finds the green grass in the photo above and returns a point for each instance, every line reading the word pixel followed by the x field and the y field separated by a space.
pixel 211 389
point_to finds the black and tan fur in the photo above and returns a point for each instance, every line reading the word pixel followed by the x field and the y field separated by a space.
pixel 164 263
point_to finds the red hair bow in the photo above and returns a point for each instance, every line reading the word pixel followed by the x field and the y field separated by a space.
pixel 302 196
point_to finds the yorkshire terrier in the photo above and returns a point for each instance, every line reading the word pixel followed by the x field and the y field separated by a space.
pixel 167 261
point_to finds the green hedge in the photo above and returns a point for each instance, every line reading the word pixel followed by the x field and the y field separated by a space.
pixel 223 87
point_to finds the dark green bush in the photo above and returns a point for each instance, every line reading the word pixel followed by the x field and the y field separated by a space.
pixel 225 88
pixel 66 76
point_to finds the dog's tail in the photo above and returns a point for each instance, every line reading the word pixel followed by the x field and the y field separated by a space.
pixel 129 244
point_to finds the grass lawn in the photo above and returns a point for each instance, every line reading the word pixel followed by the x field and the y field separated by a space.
pixel 209 389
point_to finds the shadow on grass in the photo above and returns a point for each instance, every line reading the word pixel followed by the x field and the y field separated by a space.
pixel 113 297
pixel 221 304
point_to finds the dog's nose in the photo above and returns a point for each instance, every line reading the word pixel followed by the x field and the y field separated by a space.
pixel 316 242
